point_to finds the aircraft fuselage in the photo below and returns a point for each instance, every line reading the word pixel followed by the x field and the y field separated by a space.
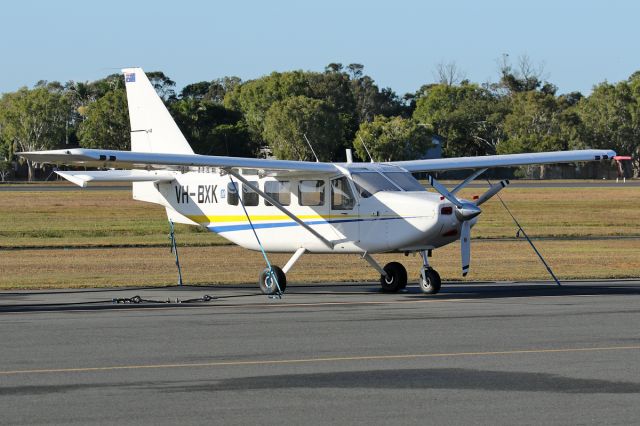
pixel 341 211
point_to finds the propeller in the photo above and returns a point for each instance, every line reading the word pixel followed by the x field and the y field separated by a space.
pixel 493 190
pixel 465 247
pixel 465 211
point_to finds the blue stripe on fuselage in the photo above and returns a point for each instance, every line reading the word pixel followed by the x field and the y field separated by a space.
pixel 246 226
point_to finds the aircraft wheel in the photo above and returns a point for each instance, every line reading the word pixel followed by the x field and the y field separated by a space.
pixel 430 283
pixel 396 278
pixel 268 285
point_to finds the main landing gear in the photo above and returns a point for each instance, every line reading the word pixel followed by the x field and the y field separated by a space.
pixel 267 282
pixel 393 277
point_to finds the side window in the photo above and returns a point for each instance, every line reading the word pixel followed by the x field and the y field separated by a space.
pixel 249 196
pixel 232 193
pixel 341 195
pixel 279 191
pixel 311 193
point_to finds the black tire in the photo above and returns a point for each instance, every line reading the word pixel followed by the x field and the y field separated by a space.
pixel 268 287
pixel 396 278
pixel 432 284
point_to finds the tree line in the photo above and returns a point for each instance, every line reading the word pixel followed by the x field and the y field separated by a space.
pixel 337 108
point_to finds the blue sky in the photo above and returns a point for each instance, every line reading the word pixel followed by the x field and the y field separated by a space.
pixel 580 43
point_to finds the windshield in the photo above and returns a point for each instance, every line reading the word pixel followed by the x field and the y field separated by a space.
pixel 368 183
pixel 405 181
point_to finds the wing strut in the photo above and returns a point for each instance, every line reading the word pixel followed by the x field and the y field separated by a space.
pixel 520 229
pixel 273 277
pixel 281 208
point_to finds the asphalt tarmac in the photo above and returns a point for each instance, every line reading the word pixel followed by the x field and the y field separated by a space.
pixel 479 353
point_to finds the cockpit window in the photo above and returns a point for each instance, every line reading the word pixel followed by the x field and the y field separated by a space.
pixel 405 181
pixel 369 183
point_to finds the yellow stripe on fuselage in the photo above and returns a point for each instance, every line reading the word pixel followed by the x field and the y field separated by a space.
pixel 259 218
pixel 271 218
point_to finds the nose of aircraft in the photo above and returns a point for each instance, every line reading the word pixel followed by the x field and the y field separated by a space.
pixel 467 211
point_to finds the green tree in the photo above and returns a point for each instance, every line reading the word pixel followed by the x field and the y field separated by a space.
pixel 371 101
pixel 288 121
pixel 467 117
pixel 232 140
pixel 352 95
pixel 162 83
pixel 611 117
pixel 33 120
pixel 254 98
pixel 213 91
pixel 392 139
pixel 211 129
pixel 539 122
pixel 6 168
pixel 106 123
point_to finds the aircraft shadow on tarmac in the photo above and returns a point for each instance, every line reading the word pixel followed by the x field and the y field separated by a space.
pixel 430 378
pixel 489 290
pixel 427 378
pixel 500 290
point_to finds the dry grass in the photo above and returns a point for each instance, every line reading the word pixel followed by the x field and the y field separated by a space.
pixel 87 218
pixel 562 212
pixel 109 218
pixel 492 260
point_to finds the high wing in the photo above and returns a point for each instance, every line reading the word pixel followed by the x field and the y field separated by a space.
pixel 145 160
pixel 149 160
pixel 507 160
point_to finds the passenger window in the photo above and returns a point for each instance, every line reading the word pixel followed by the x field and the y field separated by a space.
pixel 279 191
pixel 232 193
pixel 249 196
pixel 311 193
pixel 341 195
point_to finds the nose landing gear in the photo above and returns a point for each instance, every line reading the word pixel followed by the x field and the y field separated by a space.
pixel 430 281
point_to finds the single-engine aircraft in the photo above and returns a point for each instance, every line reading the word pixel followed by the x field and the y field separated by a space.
pixel 296 206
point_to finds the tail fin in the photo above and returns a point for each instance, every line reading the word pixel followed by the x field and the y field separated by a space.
pixel 152 127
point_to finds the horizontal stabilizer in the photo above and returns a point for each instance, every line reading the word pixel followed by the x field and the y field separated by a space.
pixel 83 178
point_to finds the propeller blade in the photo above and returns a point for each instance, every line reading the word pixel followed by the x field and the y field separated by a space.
pixel 468 180
pixel 444 192
pixel 465 247
pixel 493 190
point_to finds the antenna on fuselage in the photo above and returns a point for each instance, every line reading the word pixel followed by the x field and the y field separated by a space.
pixel 314 153
pixel 365 148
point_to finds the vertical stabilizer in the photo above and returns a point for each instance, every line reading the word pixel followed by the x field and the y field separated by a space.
pixel 152 127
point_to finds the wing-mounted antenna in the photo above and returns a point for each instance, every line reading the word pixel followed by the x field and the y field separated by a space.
pixel 309 143
pixel 366 149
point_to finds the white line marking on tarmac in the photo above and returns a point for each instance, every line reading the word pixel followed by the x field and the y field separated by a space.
pixel 232 363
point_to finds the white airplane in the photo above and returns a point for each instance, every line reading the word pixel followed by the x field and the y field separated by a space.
pixel 296 206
